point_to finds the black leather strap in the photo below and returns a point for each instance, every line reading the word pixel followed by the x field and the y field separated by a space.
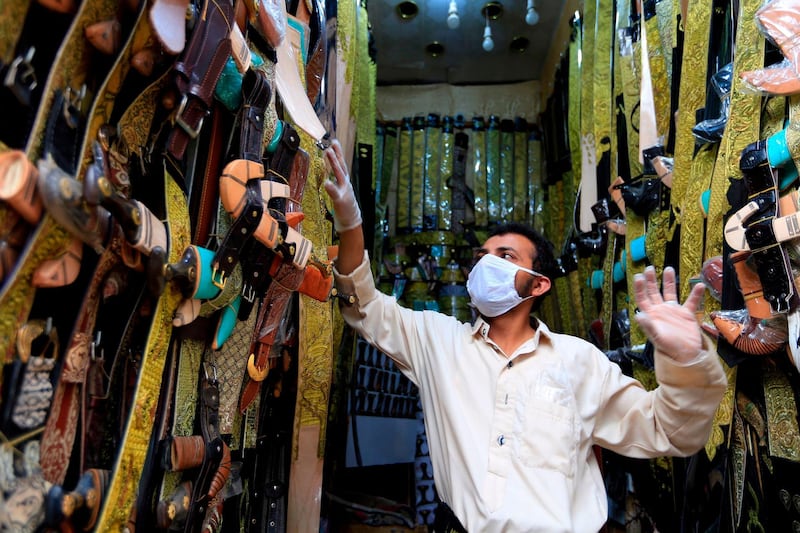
pixel 278 166
pixel 241 231
pixel 270 482
pixel 64 131
pixel 776 277
pixel 256 94
pixel 760 234
pixel 214 448
pixel 755 167
pixel 255 278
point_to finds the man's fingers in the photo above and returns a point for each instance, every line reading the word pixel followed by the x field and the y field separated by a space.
pixel 640 292
pixel 336 164
pixel 670 291
pixel 695 297
pixel 653 292
pixel 337 148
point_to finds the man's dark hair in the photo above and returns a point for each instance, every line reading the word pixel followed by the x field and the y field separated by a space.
pixel 545 262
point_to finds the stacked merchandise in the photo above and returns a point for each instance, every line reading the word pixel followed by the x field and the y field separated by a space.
pixel 680 149
pixel 167 324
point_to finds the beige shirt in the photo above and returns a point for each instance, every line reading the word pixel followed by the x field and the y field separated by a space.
pixel 510 435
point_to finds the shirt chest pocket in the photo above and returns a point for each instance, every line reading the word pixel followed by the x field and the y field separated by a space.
pixel 546 434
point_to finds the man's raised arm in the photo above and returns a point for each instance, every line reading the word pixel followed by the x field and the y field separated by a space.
pixel 346 213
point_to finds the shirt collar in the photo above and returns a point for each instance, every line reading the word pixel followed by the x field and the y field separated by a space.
pixel 481 328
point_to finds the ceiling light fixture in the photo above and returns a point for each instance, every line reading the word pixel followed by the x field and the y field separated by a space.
pixel 531 16
pixel 434 49
pixel 488 42
pixel 452 16
pixel 407 9
pixel 519 44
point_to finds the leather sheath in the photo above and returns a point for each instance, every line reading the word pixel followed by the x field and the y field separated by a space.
pixel 185 452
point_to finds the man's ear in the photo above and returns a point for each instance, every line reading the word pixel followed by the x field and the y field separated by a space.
pixel 541 285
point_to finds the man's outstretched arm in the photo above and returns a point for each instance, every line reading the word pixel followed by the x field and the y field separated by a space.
pixel 346 213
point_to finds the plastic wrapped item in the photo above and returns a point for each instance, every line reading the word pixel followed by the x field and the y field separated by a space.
pixel 751 335
pixel 594 241
pixel 710 130
pixel 779 22
pixel 643 196
pixel 711 275
pixel 270 21
pixel 780 79
pixel 663 167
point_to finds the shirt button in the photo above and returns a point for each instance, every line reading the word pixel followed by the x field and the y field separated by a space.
pixel 510 364
pixel 501 440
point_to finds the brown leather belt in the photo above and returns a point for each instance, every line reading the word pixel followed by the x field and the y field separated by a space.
pixel 198 70
pixel 61 426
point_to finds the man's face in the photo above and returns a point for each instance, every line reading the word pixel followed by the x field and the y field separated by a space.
pixel 520 251
pixel 512 247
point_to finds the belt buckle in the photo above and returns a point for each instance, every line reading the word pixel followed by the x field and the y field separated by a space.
pixel 21 77
pixel 185 126
pixel 248 293
pixel 73 103
pixel 222 278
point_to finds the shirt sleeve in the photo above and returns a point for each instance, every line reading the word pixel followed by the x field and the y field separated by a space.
pixel 674 419
pixel 380 320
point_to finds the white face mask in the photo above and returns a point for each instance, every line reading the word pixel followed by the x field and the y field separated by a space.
pixel 491 285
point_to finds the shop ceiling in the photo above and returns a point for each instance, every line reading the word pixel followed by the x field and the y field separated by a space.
pixel 415 45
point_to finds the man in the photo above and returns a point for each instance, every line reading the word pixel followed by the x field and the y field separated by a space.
pixel 512 410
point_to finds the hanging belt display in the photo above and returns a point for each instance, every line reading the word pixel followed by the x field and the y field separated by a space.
pixel 416 206
pixel 444 206
pixel 494 171
pixel 433 176
pixel 520 200
pixel 477 170
pixel 685 193
pixel 151 189
pixel 404 176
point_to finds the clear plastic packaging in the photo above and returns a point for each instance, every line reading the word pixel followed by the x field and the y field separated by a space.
pixel 271 21
pixel 710 130
pixel 779 22
pixel 779 79
pixel 711 275
pixel 751 335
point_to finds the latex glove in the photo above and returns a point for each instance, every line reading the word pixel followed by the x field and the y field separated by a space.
pixel 671 327
pixel 346 213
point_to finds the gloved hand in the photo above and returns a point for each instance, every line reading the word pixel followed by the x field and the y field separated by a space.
pixel 672 328
pixel 346 213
